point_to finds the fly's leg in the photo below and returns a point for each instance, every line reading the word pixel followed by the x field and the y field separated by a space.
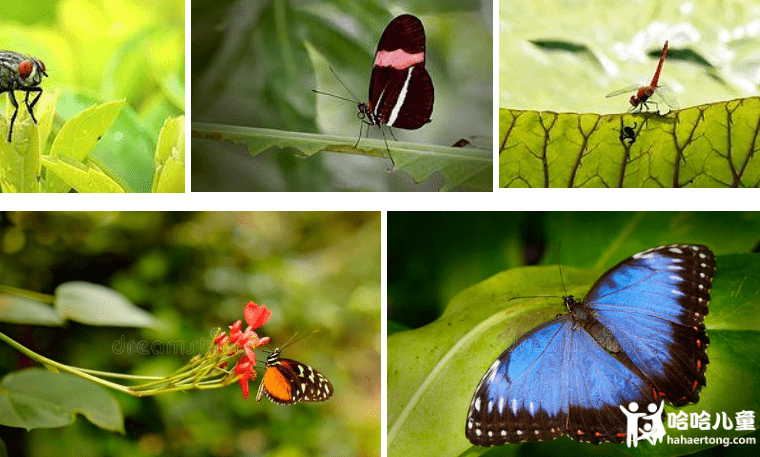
pixel 30 107
pixel 12 98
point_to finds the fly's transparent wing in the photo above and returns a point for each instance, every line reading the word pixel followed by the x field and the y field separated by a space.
pixel 626 90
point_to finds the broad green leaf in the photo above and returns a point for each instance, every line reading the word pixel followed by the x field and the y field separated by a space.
pixel 24 310
pixel 711 145
pixel 36 398
pixel 462 167
pixel 78 137
pixel 79 134
pixel 86 177
pixel 433 370
pixel 94 304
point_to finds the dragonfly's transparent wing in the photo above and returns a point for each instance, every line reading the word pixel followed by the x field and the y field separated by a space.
pixel 627 90
pixel 664 94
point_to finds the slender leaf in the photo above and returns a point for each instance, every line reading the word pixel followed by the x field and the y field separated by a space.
pixel 83 177
pixel 462 167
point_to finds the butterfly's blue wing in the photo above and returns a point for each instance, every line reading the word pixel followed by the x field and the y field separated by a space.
pixel 555 379
pixel 654 304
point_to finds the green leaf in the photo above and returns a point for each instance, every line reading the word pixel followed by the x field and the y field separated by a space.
pixel 86 177
pixel 462 167
pixel 433 370
pixel 170 157
pixel 20 159
pixel 711 145
pixel 36 398
pixel 79 134
pixel 94 304
pixel 24 310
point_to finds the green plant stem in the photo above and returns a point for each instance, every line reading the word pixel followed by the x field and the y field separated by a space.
pixel 65 368
pixel 182 379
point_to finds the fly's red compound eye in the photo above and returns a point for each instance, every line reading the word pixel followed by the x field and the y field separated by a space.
pixel 25 68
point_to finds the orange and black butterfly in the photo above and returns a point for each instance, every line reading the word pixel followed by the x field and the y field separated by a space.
pixel 286 382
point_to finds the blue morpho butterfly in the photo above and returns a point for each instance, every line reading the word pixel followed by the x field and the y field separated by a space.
pixel 639 336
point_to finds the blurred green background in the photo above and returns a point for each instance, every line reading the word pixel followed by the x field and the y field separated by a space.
pixel 432 256
pixel 195 271
pixel 101 50
pixel 255 64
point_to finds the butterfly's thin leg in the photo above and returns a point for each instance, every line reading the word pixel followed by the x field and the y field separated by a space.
pixel 361 124
pixel 393 162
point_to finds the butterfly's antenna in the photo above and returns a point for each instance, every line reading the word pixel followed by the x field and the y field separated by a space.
pixel 356 99
pixel 291 341
pixel 560 269
pixel 333 95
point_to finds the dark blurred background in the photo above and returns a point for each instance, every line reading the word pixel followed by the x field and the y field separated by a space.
pixel 194 272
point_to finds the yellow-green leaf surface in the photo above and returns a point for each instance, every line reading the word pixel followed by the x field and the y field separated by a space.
pixel 83 177
pixel 170 157
pixel 711 145
pixel 461 167
pixel 79 135
pixel 20 159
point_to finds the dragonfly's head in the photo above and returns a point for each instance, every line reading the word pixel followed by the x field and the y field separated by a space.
pixel 634 100
pixel 31 72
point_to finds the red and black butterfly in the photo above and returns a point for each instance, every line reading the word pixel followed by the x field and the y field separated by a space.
pixel 400 88
pixel 287 382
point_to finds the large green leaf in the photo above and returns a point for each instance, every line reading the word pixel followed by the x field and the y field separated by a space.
pixel 94 304
pixel 467 168
pixel 433 370
pixel 712 145
pixel 36 398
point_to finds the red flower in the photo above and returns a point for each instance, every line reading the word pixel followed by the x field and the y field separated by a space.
pixel 235 332
pixel 244 367
pixel 256 315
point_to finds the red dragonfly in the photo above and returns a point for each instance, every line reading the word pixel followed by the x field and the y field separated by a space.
pixel 658 94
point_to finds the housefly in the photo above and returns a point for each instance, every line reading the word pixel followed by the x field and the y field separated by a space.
pixel 23 73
